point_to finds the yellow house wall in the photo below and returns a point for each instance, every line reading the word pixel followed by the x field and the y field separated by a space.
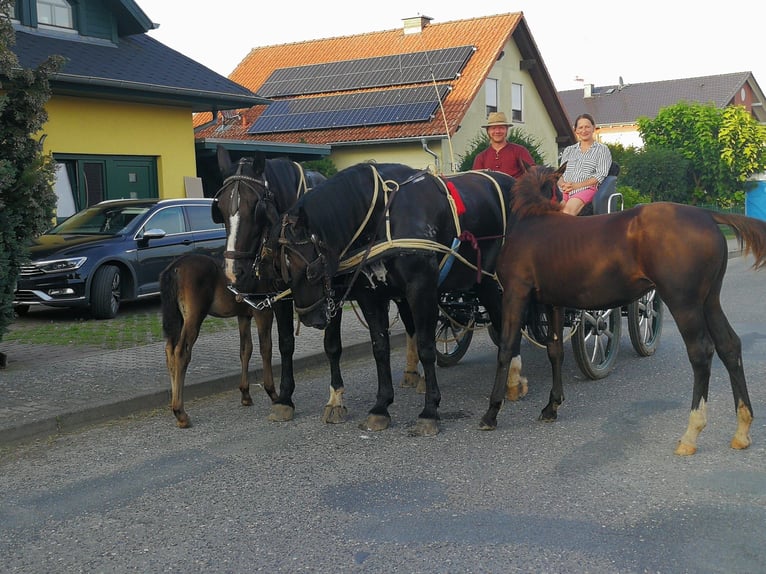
pixel 98 127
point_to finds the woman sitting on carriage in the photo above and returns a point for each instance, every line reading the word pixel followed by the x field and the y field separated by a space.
pixel 587 165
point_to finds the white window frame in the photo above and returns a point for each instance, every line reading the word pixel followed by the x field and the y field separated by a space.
pixel 517 103
pixel 491 95
pixel 55 13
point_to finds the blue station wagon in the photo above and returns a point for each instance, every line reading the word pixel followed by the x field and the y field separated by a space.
pixel 114 251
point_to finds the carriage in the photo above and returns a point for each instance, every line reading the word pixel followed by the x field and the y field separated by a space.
pixel 595 334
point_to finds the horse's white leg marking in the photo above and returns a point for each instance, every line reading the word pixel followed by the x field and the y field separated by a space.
pixel 231 242
pixel 516 387
pixel 336 397
pixel 697 420
pixel 744 420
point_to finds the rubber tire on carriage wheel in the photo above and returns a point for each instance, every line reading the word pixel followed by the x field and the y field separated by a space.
pixel 596 342
pixel 494 335
pixel 452 341
pixel 645 323
pixel 105 292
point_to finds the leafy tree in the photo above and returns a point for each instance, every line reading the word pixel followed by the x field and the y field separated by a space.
pixel 724 147
pixel 660 174
pixel 325 166
pixel 515 135
pixel 27 200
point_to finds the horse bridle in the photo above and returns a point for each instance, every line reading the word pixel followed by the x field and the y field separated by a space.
pixel 256 186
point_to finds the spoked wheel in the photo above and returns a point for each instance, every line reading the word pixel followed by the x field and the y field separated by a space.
pixel 452 340
pixel 596 342
pixel 645 323
pixel 493 335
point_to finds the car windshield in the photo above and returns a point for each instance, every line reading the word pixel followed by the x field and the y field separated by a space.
pixel 101 220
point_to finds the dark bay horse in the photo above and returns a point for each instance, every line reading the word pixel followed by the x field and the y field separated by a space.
pixel 191 288
pixel 607 261
pixel 254 194
pixel 377 233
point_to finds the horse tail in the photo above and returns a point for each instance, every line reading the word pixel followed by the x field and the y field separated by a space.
pixel 750 234
pixel 172 318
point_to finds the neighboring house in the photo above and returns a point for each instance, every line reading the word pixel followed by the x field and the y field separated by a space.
pixel 616 108
pixel 120 117
pixel 416 95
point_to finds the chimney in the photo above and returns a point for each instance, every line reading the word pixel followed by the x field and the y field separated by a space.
pixel 416 24
pixel 588 91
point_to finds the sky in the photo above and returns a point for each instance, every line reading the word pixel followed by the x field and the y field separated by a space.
pixel 597 41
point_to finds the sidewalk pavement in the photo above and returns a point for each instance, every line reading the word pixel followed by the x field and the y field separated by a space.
pixel 50 389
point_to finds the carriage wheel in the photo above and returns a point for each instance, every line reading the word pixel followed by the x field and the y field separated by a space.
pixel 596 342
pixel 452 340
pixel 645 323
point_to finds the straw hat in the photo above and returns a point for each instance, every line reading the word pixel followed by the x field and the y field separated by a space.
pixel 496 119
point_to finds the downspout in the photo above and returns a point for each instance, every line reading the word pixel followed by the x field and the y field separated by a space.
pixel 430 152
pixel 212 122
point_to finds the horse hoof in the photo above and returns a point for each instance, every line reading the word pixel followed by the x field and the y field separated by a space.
pixel 182 419
pixel 740 444
pixel 411 379
pixel 375 423
pixel 517 392
pixel 485 424
pixel 247 401
pixel 425 427
pixel 281 413
pixel 334 414
pixel 547 417
pixel 684 449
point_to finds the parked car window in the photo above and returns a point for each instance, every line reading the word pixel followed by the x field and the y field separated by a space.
pixel 170 219
pixel 99 221
pixel 201 219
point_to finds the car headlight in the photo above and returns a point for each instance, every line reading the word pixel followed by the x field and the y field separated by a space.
pixel 59 265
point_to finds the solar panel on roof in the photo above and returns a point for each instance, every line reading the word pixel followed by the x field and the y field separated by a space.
pixel 400 69
pixel 349 110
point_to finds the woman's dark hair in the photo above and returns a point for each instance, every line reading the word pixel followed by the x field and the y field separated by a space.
pixel 584 117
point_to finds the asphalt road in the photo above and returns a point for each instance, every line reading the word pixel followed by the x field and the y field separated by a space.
pixel 598 491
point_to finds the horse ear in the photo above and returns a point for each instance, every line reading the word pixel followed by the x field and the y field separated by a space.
pixel 524 165
pixel 560 171
pixel 259 163
pixel 224 161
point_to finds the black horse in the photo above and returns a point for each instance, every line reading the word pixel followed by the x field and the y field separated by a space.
pixel 606 261
pixel 254 195
pixel 381 232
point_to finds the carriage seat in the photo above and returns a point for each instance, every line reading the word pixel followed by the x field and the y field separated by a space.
pixel 607 199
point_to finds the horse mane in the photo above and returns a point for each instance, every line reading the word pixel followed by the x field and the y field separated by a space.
pixel 534 191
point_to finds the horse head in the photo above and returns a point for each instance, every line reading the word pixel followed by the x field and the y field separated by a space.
pixel 245 205
pixel 537 191
pixel 308 265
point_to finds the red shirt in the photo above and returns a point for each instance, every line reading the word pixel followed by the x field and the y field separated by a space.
pixel 508 159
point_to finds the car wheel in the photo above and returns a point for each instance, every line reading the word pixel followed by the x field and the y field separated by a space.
pixel 105 292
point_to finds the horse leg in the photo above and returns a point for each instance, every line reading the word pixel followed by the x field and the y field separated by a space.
pixel 412 377
pixel 263 323
pixel 283 409
pixel 177 357
pixel 699 349
pixel 376 314
pixel 334 411
pixel 510 344
pixel 491 297
pixel 729 349
pixel 555 347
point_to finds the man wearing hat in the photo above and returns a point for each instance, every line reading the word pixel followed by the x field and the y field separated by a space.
pixel 502 155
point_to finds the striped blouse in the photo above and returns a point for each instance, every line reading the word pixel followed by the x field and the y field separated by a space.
pixel 593 163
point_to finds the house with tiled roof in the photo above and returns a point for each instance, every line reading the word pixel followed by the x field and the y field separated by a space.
pixel 617 107
pixel 418 94
pixel 121 112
